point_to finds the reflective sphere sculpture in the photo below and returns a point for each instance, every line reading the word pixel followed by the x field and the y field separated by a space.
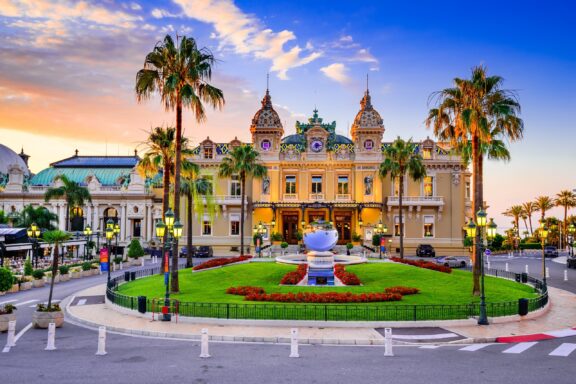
pixel 320 236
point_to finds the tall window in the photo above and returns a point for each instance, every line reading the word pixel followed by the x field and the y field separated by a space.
pixel 428 226
pixel 343 185
pixel 428 186
pixel 316 184
pixel 291 184
pixel 234 225
pixel 397 225
pixel 427 153
pixel 136 228
pixel 235 185
pixel 208 153
pixel 467 190
pixel 206 228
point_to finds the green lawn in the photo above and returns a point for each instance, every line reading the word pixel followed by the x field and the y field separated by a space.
pixel 436 287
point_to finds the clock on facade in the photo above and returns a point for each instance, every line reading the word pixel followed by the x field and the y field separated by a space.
pixel 265 145
pixel 368 144
pixel 316 145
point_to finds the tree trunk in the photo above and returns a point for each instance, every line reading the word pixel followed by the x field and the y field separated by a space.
pixel 165 206
pixel 243 196
pixel 400 193
pixel 177 165
pixel 189 228
pixel 565 234
pixel 530 222
pixel 67 225
pixel 477 205
pixel 54 271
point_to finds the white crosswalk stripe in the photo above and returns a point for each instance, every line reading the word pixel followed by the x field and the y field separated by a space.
pixel 26 302
pixel 474 347
pixel 520 347
pixel 429 347
pixel 7 302
pixel 565 349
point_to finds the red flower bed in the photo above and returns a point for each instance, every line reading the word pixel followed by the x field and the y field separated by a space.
pixel 295 277
pixel 220 262
pixel 347 278
pixel 404 291
pixel 245 290
pixel 423 264
pixel 325 297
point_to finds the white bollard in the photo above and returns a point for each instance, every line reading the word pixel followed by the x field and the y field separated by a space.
pixel 121 266
pixel 204 344
pixel 388 342
pixel 142 261
pixel 294 343
pixel 565 275
pixel 101 342
pixel 50 345
pixel 547 272
pixel 507 268
pixel 11 334
pixel 526 269
pixel 509 255
pixel 488 266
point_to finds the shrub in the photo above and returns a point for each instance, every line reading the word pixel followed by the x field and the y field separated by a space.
pixel 284 245
pixel 6 279
pixel 220 262
pixel 404 291
pixel 376 240
pixel 7 309
pixel 356 237
pixel 86 266
pixel 349 245
pixel 38 274
pixel 298 236
pixel 135 249
pixel 28 267
pixel 423 264
pixel 245 290
pixel 347 278
pixel 324 297
pixel 117 260
pixel 64 269
pixel 295 277
pixel 45 308
pixel 276 236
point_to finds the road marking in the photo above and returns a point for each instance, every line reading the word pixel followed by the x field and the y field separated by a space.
pixel 22 332
pixel 426 337
pixel 6 302
pixel 563 350
pixel 520 347
pixel 81 302
pixel 474 347
pixel 45 303
pixel 429 347
pixel 562 333
pixel 26 302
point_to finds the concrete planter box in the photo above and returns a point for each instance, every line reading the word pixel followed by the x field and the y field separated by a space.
pixel 2 293
pixel 65 277
pixel 15 288
pixel 94 271
pixel 42 319
pixel 48 279
pixel 25 285
pixel 75 275
pixel 5 319
pixel 38 283
pixel 87 273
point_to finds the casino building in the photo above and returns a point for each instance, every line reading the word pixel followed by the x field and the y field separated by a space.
pixel 312 174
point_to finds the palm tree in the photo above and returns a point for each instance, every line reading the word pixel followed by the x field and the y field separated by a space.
pixel 515 212
pixel 74 194
pixel 566 199
pixel 56 237
pixel 544 204
pixel 529 208
pixel 476 110
pixel 40 215
pixel 242 161
pixel 3 217
pixel 400 158
pixel 180 74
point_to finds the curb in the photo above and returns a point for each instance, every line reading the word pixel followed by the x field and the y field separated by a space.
pixel 558 334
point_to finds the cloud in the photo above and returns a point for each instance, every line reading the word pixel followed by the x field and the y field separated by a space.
pixel 246 35
pixel 346 39
pixel 336 72
pixel 363 55
pixel 135 6
pixel 158 13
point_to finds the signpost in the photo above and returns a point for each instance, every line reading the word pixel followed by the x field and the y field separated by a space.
pixel 382 246
pixel 104 260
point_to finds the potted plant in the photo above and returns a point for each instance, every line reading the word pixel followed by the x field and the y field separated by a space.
pixel 86 269
pixel 75 272
pixel 28 269
pixel 117 260
pixel 349 246
pixel 95 268
pixel 284 245
pixel 6 280
pixel 135 251
pixel 63 270
pixel 356 239
pixel 6 315
pixel 51 313
pixel 38 276
pixel 276 238
pixel 25 283
pixel 48 277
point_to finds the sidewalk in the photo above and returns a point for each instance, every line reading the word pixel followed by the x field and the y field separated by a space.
pixel 561 314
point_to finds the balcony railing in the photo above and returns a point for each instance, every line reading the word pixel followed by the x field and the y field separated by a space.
pixel 343 197
pixel 432 201
pixel 316 196
pixel 290 196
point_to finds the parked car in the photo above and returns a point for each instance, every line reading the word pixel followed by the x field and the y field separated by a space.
pixel 550 251
pixel 425 250
pixel 571 262
pixel 452 262
pixel 184 251
pixel 204 251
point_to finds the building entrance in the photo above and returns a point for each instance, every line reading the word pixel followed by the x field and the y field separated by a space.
pixel 290 227
pixel 343 224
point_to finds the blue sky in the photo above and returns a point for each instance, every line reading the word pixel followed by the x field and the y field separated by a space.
pixel 67 70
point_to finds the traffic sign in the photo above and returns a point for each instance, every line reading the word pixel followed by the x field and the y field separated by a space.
pixel 487 252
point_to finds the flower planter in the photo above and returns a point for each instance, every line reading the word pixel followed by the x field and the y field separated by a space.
pixel 76 275
pixel 2 293
pixel 87 273
pixel 15 288
pixel 39 283
pixel 42 319
pixel 25 285
pixel 5 319
pixel 64 277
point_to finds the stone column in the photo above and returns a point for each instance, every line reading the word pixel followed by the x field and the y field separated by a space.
pixel 62 216
pixel 122 221
pixel 149 222
pixel 96 218
pixel 89 216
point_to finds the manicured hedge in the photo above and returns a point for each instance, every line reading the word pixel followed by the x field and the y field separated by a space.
pixel 423 264
pixel 220 262
pixel 295 277
pixel 347 278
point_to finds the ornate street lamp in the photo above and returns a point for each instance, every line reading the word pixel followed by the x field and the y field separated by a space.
pixel 174 233
pixel 88 235
pixel 259 231
pixel 380 230
pixel 571 231
pixel 543 236
pixel 109 236
pixel 33 234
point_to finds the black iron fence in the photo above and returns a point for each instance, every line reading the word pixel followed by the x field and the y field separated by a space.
pixel 336 312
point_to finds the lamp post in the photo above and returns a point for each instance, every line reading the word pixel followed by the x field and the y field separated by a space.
pixel 88 234
pixel 33 234
pixel 259 231
pixel 109 236
pixel 174 233
pixel 380 230
pixel 571 231
pixel 116 233
pixel 543 235
pixel 487 233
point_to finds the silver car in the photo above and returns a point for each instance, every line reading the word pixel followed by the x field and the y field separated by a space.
pixel 452 262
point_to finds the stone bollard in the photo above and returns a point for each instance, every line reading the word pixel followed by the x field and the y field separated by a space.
pixel 526 269
pixel 547 272
pixel 10 342
pixel 294 343
pixel 488 264
pixel 388 342
pixel 50 345
pixel 204 344
pixel 565 275
pixel 507 268
pixel 142 261
pixel 121 266
pixel 101 342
